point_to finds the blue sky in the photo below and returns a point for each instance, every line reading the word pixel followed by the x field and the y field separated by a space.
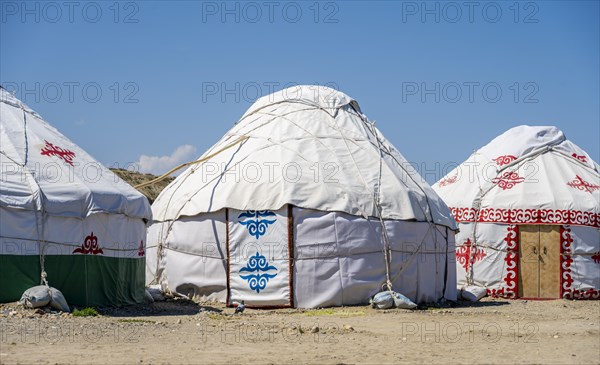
pixel 168 79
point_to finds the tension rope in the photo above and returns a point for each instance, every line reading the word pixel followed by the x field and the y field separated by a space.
pixel 374 194
pixel 179 167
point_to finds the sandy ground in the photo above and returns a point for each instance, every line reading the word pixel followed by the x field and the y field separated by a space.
pixel 182 331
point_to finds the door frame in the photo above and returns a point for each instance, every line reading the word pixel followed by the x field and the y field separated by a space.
pixel 290 226
pixel 561 257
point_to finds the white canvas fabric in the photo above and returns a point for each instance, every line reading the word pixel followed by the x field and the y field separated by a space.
pixel 337 259
pixel 553 177
pixel 307 146
pixel 65 218
pixel 189 256
pixel 42 168
pixel 308 160
pixel 527 175
pixel 582 264
pixel 111 235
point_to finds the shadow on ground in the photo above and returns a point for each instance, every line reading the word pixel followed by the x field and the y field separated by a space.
pixel 169 307
pixel 464 304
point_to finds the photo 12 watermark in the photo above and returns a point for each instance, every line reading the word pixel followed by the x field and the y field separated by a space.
pixel 453 92
pixel 90 243
pixel 230 332
pixel 449 12
pixel 64 170
pixel 473 172
pixel 71 12
pixel 125 92
pixel 467 332
pixel 327 12
pixel 249 92
pixel 52 332
pixel 269 172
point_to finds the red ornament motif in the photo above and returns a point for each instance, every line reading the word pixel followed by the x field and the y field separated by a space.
pixel 581 184
pixel 526 216
pixel 467 257
pixel 565 262
pixel 508 180
pixel 464 215
pixel 141 251
pixel 89 246
pixel 589 294
pixel 504 160
pixel 566 287
pixel 64 154
pixel 596 257
pixel 448 181
pixel 511 290
pixel 581 158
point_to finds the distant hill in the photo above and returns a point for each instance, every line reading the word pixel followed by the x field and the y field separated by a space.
pixel 135 178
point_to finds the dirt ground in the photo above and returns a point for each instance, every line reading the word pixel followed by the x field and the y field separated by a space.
pixel 181 331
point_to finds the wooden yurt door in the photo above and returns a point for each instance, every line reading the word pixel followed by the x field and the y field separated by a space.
pixel 539 261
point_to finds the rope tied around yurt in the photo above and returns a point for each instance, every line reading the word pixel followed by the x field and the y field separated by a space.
pixel 43 277
pixel 384 151
pixel 377 200
pixel 375 193
pixel 43 274
pixel 179 167
pixel 387 247
pixel 483 191
pixel 160 247
pixel 39 221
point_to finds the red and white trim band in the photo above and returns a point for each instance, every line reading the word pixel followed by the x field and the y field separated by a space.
pixel 526 216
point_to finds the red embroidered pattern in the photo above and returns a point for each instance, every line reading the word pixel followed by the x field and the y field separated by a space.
pixel 527 216
pixel 141 251
pixel 64 154
pixel 511 290
pixel 89 246
pixel 565 262
pixel 504 160
pixel 467 257
pixel 581 158
pixel 448 181
pixel 566 259
pixel 581 184
pixel 596 257
pixel 585 294
pixel 508 180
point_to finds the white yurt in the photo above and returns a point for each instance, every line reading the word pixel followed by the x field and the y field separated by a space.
pixel 65 219
pixel 528 208
pixel 303 203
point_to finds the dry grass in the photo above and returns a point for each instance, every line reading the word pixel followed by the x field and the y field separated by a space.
pixel 135 178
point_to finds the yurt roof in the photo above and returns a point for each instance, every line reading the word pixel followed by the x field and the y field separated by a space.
pixel 42 170
pixel 527 175
pixel 309 146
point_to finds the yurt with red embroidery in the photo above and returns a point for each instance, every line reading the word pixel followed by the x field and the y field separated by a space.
pixel 65 219
pixel 528 208
pixel 303 203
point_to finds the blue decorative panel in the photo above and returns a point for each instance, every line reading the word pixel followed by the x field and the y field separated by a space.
pixel 258 263
pixel 256 222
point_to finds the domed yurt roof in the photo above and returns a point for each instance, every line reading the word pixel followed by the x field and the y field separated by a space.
pixel 528 174
pixel 309 146
pixel 44 170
